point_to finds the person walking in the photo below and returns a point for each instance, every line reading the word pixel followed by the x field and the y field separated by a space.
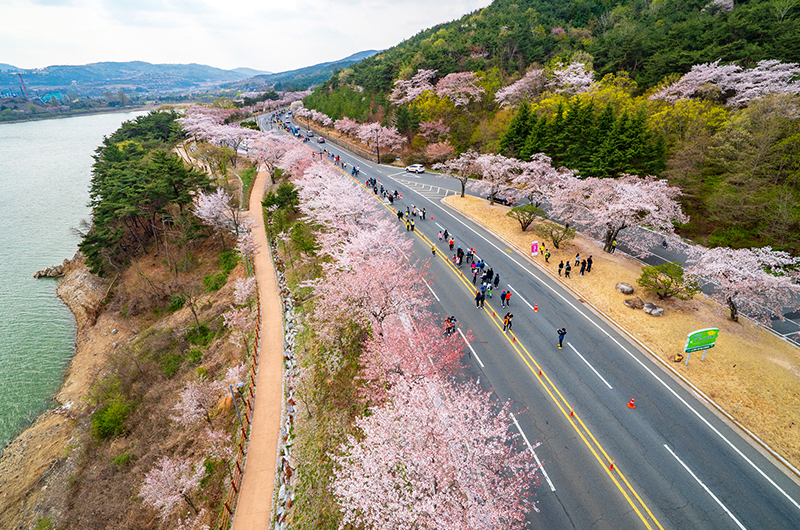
pixel 508 298
pixel 560 267
pixel 475 271
pixel 490 274
pixel 583 267
pixel 547 257
pixel 433 249
pixel 408 226
pixel 507 322
pixel 470 254
pixel 399 215
pixel 446 234
pixel 503 298
pixel 423 214
pixel 577 259
pixel 497 280
pixel 561 334
pixel 413 226
pixel 489 289
pixel 483 299
pixel 478 299
pixel 567 269
pixel 614 247
pixel 440 235
pixel 589 264
pixel 452 243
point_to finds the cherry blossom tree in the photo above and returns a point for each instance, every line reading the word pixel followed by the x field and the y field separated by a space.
pixel 346 126
pixel 572 79
pixel 436 457
pixel 244 289
pixel 462 168
pixel 607 206
pixel 439 151
pixel 497 173
pixel 376 136
pixel 217 211
pixel 269 149
pixel 406 91
pixel 538 179
pixel 761 282
pixel 433 131
pixel 531 85
pixel 197 401
pixel 242 322
pixel 170 482
pixel 732 83
pixel 460 88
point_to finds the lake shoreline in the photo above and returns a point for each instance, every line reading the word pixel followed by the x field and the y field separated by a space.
pixel 40 458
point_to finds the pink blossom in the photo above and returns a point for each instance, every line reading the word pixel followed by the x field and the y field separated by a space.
pixel 531 85
pixel 460 88
pixel 170 482
pixel 572 79
pixel 377 136
pixel 243 290
pixel 759 281
pixel 433 130
pixel 407 91
pixel 439 151
pixel 346 126
pixel 197 401
pixel 242 322
pixel 435 454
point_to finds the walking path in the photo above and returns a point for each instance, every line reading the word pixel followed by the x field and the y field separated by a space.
pixel 255 496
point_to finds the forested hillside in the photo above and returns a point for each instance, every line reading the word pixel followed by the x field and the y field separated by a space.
pixel 704 94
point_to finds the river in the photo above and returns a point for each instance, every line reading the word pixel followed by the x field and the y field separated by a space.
pixel 45 171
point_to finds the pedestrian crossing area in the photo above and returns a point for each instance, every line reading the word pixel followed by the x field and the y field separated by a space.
pixel 431 191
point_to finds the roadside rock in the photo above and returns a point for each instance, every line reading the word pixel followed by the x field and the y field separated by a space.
pixel 50 272
pixel 634 303
pixel 653 310
pixel 624 288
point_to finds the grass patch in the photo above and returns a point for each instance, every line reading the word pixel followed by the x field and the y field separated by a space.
pixel 109 421
pixel 200 335
pixel 176 302
pixel 227 261
pixel 214 282
pixel 121 461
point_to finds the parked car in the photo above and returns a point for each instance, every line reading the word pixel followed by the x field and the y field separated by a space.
pixel 505 200
pixel 320 140
pixel 416 168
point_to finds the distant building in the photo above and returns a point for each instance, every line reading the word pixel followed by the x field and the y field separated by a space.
pixel 52 95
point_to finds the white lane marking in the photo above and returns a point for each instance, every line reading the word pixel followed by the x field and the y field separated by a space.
pixel 437 224
pixel 589 365
pixel 535 456
pixel 431 290
pixel 735 520
pixel 470 347
pixel 520 296
pixel 623 348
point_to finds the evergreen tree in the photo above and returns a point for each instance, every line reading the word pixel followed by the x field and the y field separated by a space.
pixel 512 142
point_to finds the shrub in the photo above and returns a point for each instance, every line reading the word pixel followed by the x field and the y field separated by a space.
pixel 176 302
pixel 668 280
pixel 110 420
pixel 122 460
pixel 194 355
pixel 214 282
pixel 200 335
pixel 525 214
pixel 388 158
pixel 228 261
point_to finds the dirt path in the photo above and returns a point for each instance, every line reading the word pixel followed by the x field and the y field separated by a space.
pixel 255 496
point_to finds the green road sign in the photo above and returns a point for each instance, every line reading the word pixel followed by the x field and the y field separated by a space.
pixel 701 339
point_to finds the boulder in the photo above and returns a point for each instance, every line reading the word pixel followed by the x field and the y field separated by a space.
pixel 653 310
pixel 624 288
pixel 50 272
pixel 634 303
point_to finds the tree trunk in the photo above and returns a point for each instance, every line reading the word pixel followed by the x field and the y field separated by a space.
pixel 463 187
pixel 734 309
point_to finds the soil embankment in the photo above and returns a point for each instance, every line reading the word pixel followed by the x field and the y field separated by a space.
pixel 39 458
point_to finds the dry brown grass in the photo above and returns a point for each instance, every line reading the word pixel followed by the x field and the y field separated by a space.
pixel 748 365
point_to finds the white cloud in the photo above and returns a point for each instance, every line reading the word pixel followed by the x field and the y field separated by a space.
pixel 269 35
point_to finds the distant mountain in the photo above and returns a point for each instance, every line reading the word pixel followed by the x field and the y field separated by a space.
pixel 134 75
pixel 302 78
pixel 7 68
pixel 250 71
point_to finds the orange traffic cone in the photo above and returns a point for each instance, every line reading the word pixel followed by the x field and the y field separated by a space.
pixel 431 218
pixel 540 372
pixel 631 405
pixel 611 467
pixel 572 412
pixel 535 308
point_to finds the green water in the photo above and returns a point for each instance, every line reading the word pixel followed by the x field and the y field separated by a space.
pixel 45 170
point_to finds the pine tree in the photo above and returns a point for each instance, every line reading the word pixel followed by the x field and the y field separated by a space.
pixel 518 130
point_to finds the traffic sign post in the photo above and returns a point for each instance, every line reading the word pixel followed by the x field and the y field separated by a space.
pixel 702 339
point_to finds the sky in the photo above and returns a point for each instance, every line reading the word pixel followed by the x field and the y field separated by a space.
pixel 269 35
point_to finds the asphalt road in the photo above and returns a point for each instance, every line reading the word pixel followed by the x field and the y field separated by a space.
pixel 676 464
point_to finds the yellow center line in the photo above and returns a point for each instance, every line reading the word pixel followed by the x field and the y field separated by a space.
pixel 552 390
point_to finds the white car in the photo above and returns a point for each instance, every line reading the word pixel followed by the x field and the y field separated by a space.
pixel 416 168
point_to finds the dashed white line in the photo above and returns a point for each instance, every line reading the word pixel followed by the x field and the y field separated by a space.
pixel 431 290
pixel 470 347
pixel 520 296
pixel 735 520
pixel 590 366
pixel 535 456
